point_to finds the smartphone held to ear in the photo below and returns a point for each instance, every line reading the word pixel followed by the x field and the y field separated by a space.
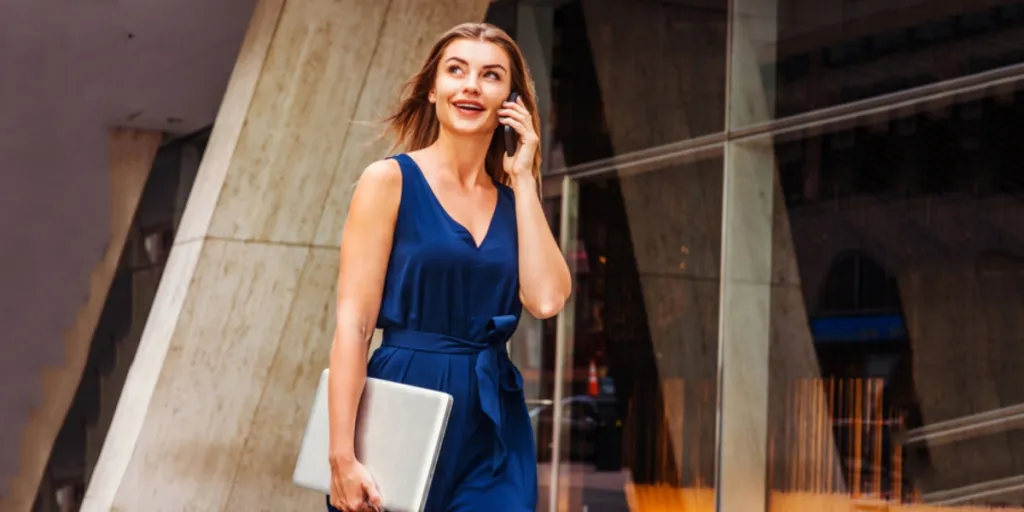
pixel 511 137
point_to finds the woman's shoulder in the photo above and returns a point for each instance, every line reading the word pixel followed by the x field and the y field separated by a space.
pixel 383 174
pixel 379 185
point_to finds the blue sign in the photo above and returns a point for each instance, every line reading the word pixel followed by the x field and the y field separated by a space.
pixel 838 329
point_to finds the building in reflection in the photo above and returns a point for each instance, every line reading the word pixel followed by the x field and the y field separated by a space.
pixel 797 233
pixel 886 134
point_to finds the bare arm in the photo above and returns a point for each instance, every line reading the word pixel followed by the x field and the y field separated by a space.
pixel 365 250
pixel 544 279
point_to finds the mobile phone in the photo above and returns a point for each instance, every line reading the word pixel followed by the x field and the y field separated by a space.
pixel 511 137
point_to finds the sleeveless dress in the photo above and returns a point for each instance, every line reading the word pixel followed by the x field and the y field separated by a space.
pixel 448 308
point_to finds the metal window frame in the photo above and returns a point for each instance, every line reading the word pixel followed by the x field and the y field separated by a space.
pixel 565 182
pixel 809 121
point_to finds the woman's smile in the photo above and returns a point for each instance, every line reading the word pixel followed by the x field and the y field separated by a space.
pixel 469 108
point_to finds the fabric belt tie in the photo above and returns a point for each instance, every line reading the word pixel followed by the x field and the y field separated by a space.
pixel 495 373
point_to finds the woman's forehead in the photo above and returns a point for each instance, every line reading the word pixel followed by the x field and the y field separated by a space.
pixel 478 53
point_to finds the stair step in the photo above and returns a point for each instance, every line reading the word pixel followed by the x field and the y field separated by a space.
pixel 21 389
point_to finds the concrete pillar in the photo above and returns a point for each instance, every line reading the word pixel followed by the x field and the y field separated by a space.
pixel 131 154
pixel 661 69
pixel 215 403
pixel 768 353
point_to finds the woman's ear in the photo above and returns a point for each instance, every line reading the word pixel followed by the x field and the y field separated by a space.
pixel 430 96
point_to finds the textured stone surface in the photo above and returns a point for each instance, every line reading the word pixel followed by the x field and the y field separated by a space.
pixel 215 403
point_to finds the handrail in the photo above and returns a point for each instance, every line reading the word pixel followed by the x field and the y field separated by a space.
pixel 966 427
pixel 698 147
pixel 973 492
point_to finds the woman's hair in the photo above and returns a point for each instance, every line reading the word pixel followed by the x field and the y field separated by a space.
pixel 415 123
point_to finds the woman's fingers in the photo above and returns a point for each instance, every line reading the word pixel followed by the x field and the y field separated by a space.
pixel 511 114
pixel 373 495
pixel 516 125
pixel 514 110
pixel 348 502
pixel 354 505
pixel 518 117
pixel 526 133
pixel 337 497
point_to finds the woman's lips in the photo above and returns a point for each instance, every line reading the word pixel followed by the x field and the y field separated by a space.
pixel 468 108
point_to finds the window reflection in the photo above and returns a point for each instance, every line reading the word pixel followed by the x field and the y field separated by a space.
pixel 831 52
pixel 628 76
pixel 641 396
pixel 905 233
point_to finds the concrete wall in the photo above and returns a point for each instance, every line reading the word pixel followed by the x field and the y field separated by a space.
pixel 212 411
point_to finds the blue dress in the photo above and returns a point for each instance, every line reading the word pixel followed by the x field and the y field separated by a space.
pixel 448 308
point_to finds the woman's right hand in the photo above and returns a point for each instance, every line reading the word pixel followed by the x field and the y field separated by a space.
pixel 352 488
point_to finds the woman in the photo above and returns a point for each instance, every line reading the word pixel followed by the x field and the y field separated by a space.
pixel 443 246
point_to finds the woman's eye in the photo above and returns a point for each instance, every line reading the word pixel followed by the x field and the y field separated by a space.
pixel 454 70
pixel 492 74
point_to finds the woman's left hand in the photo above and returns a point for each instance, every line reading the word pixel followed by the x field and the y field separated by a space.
pixel 519 118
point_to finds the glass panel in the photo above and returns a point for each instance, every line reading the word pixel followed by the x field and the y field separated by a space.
pixel 897 282
pixel 629 75
pixel 803 55
pixel 532 349
pixel 530 345
pixel 639 415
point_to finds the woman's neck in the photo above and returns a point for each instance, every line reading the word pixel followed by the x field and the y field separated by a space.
pixel 464 156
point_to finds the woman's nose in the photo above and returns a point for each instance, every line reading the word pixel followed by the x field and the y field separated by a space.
pixel 471 86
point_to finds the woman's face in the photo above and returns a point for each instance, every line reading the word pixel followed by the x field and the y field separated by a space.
pixel 472 81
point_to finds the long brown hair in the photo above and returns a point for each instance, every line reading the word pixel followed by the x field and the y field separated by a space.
pixel 415 123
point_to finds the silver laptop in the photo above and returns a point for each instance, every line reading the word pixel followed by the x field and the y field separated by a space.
pixel 399 430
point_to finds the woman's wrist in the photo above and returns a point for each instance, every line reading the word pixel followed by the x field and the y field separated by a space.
pixel 524 183
pixel 342 458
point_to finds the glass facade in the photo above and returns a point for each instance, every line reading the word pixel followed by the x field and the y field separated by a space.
pixel 815 55
pixel 797 237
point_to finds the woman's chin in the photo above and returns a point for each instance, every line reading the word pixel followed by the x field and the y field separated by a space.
pixel 469 130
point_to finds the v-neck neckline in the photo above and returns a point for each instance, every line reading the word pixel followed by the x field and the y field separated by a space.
pixel 459 225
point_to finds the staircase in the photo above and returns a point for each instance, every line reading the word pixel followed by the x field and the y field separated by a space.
pixel 63 234
pixel 111 369
pixel 118 333
pixel 42 294
pixel 52 245
pixel 68 460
